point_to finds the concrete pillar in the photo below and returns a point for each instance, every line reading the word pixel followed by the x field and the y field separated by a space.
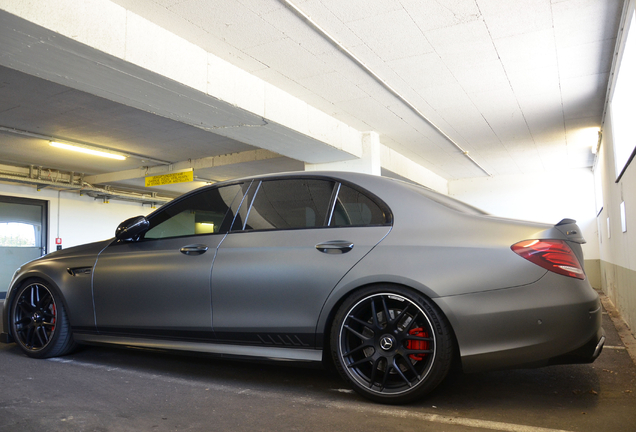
pixel 368 163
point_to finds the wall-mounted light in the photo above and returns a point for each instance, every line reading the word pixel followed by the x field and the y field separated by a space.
pixel 88 150
pixel 586 138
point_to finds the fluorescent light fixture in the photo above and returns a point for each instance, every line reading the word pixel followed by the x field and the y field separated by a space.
pixel 204 228
pixel 88 150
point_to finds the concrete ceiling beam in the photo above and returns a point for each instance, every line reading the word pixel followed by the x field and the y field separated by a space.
pixel 145 70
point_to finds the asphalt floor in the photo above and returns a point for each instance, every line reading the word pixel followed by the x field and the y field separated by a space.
pixel 111 389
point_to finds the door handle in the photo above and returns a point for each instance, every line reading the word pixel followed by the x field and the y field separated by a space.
pixel 196 249
pixel 335 247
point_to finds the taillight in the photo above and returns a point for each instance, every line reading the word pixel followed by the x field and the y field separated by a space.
pixel 553 255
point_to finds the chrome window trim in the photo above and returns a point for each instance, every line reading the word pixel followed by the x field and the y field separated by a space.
pixel 334 200
pixel 249 209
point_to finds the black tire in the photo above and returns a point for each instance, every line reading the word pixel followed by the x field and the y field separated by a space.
pixel 392 361
pixel 39 323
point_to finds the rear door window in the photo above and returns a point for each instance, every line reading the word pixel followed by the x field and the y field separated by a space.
pixel 353 208
pixel 290 204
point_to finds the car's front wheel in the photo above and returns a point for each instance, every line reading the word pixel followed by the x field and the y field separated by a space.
pixel 392 344
pixel 39 323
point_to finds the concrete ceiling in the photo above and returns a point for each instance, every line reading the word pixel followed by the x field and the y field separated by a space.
pixel 514 83
pixel 41 107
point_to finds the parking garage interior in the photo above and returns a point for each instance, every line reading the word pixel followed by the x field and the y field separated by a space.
pixel 523 109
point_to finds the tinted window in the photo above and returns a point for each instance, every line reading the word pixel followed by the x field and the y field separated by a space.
pixel 293 203
pixel 355 208
pixel 203 213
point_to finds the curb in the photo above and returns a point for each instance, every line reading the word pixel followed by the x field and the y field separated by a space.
pixel 622 328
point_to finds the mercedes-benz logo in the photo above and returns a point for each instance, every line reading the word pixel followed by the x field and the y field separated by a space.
pixel 386 343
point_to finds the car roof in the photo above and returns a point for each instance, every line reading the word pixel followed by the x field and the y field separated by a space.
pixel 396 194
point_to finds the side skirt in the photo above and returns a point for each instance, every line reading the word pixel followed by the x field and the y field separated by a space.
pixel 270 353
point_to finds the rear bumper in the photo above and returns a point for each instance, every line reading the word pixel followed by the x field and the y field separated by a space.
pixel 585 354
pixel 556 320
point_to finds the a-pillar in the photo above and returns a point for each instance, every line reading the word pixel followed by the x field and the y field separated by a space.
pixel 368 163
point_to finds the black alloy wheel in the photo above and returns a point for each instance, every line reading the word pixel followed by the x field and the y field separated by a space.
pixel 39 323
pixel 391 344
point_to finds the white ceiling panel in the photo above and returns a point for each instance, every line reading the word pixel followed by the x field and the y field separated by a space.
pixel 505 79
pixel 424 71
pixel 508 18
pixel 353 10
pixel 463 45
pixel 584 96
pixel 391 35
pixel 483 77
pixel 499 162
pixel 542 112
pixel 321 14
pixel 261 7
pixel 433 14
pixel 539 50
pixel 530 82
pixel 229 21
pixel 579 22
pixel 571 62
pixel 501 110
pixel 294 28
pixel 469 121
pixel 443 96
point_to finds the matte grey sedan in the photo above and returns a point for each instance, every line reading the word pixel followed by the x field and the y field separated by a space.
pixel 389 282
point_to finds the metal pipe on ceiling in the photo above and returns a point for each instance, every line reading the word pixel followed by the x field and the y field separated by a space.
pixel 83 187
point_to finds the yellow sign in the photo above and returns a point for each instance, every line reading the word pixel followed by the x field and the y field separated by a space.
pixel 174 177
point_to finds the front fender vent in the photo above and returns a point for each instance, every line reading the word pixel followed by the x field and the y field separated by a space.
pixel 79 271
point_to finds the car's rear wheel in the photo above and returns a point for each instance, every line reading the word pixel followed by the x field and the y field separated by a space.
pixel 39 323
pixel 392 344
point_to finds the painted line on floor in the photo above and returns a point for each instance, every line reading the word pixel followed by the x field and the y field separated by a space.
pixel 614 347
pixel 442 419
pixel 365 408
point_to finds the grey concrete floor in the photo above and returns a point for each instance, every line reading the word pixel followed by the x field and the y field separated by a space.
pixel 110 389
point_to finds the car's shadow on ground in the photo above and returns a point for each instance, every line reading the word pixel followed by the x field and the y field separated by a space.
pixel 572 386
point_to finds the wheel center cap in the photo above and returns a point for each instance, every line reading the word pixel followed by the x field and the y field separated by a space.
pixel 37 316
pixel 386 343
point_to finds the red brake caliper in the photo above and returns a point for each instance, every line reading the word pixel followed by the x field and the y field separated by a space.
pixel 53 321
pixel 416 344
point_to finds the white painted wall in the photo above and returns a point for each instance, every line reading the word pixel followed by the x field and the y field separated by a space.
pixel 82 219
pixel 545 197
pixel 617 248
pixel 617 229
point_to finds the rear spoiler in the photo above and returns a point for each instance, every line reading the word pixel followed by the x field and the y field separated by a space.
pixel 571 230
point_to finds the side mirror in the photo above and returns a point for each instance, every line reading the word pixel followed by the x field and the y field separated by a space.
pixel 132 228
